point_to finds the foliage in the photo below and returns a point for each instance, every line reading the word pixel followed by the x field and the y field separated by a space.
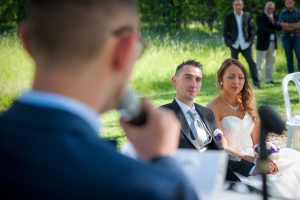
pixel 157 14
pixel 174 14
pixel 12 12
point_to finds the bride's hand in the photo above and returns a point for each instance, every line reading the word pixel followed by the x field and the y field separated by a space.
pixel 249 158
pixel 273 167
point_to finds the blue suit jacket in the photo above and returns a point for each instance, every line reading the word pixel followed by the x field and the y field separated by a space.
pixel 53 154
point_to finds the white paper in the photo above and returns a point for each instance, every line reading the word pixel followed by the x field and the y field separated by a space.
pixel 206 171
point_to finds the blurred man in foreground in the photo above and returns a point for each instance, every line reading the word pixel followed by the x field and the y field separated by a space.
pixel 84 51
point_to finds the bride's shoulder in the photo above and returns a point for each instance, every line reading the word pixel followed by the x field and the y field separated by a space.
pixel 216 107
pixel 214 104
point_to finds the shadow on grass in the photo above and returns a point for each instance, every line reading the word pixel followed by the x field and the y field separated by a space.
pixel 184 37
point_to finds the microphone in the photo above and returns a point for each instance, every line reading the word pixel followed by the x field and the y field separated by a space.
pixel 131 108
pixel 270 122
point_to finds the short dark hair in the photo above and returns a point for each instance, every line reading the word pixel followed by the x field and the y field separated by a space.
pixel 74 29
pixel 238 0
pixel 193 63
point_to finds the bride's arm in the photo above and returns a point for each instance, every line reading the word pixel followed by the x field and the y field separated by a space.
pixel 236 153
pixel 255 134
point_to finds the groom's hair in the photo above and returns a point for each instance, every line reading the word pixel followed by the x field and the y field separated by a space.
pixel 192 63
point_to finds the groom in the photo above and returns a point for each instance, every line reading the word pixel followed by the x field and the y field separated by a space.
pixel 197 122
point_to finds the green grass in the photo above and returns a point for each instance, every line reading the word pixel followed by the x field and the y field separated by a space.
pixel 153 71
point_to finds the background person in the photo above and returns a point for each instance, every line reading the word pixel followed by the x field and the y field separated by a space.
pixel 290 22
pixel 267 24
pixel 238 36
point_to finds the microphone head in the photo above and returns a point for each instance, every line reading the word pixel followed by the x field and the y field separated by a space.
pixel 131 108
pixel 270 120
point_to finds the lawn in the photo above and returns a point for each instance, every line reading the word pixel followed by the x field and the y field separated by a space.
pixel 152 73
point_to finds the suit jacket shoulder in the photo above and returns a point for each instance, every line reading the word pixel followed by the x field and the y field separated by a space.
pixel 56 155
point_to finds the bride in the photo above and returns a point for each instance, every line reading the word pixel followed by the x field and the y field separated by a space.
pixel 235 114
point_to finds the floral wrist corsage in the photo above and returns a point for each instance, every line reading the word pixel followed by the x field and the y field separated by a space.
pixel 272 149
pixel 218 134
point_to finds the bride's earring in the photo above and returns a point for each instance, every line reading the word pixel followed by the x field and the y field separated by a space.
pixel 221 83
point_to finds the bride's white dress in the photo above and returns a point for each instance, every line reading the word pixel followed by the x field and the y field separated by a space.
pixel 285 183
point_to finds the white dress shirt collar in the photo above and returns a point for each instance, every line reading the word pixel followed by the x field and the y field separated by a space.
pixel 185 108
pixel 57 101
pixel 236 15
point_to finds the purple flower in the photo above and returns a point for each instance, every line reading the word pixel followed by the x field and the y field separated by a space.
pixel 218 134
pixel 272 147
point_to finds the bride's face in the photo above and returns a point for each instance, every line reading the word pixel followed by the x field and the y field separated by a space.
pixel 233 79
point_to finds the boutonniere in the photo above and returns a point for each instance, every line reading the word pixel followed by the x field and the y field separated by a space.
pixel 218 134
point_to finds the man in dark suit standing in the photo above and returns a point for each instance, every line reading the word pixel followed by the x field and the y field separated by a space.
pixel 84 51
pixel 197 122
pixel 266 41
pixel 238 36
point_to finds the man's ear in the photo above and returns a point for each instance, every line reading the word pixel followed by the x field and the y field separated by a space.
pixel 23 35
pixel 174 80
pixel 123 52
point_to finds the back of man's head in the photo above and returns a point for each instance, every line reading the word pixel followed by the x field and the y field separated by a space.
pixel 74 29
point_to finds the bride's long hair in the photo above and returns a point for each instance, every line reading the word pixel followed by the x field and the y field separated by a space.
pixel 246 96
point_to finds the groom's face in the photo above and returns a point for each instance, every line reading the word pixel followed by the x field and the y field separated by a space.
pixel 187 82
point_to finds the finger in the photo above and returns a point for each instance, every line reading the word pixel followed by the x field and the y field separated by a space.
pixel 125 125
pixel 148 106
pixel 149 109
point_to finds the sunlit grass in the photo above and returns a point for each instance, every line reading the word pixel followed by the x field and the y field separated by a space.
pixel 15 69
pixel 153 71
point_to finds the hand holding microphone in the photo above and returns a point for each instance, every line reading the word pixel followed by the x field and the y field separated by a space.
pixel 131 108
pixel 157 136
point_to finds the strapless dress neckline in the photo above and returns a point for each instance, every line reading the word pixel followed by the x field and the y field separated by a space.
pixel 237 132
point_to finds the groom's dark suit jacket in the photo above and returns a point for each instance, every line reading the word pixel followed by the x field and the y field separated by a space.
pixel 243 167
pixel 48 153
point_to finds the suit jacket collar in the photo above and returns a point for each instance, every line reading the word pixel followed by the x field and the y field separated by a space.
pixel 235 14
pixel 51 118
pixel 244 19
pixel 204 118
pixel 185 128
pixel 58 101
